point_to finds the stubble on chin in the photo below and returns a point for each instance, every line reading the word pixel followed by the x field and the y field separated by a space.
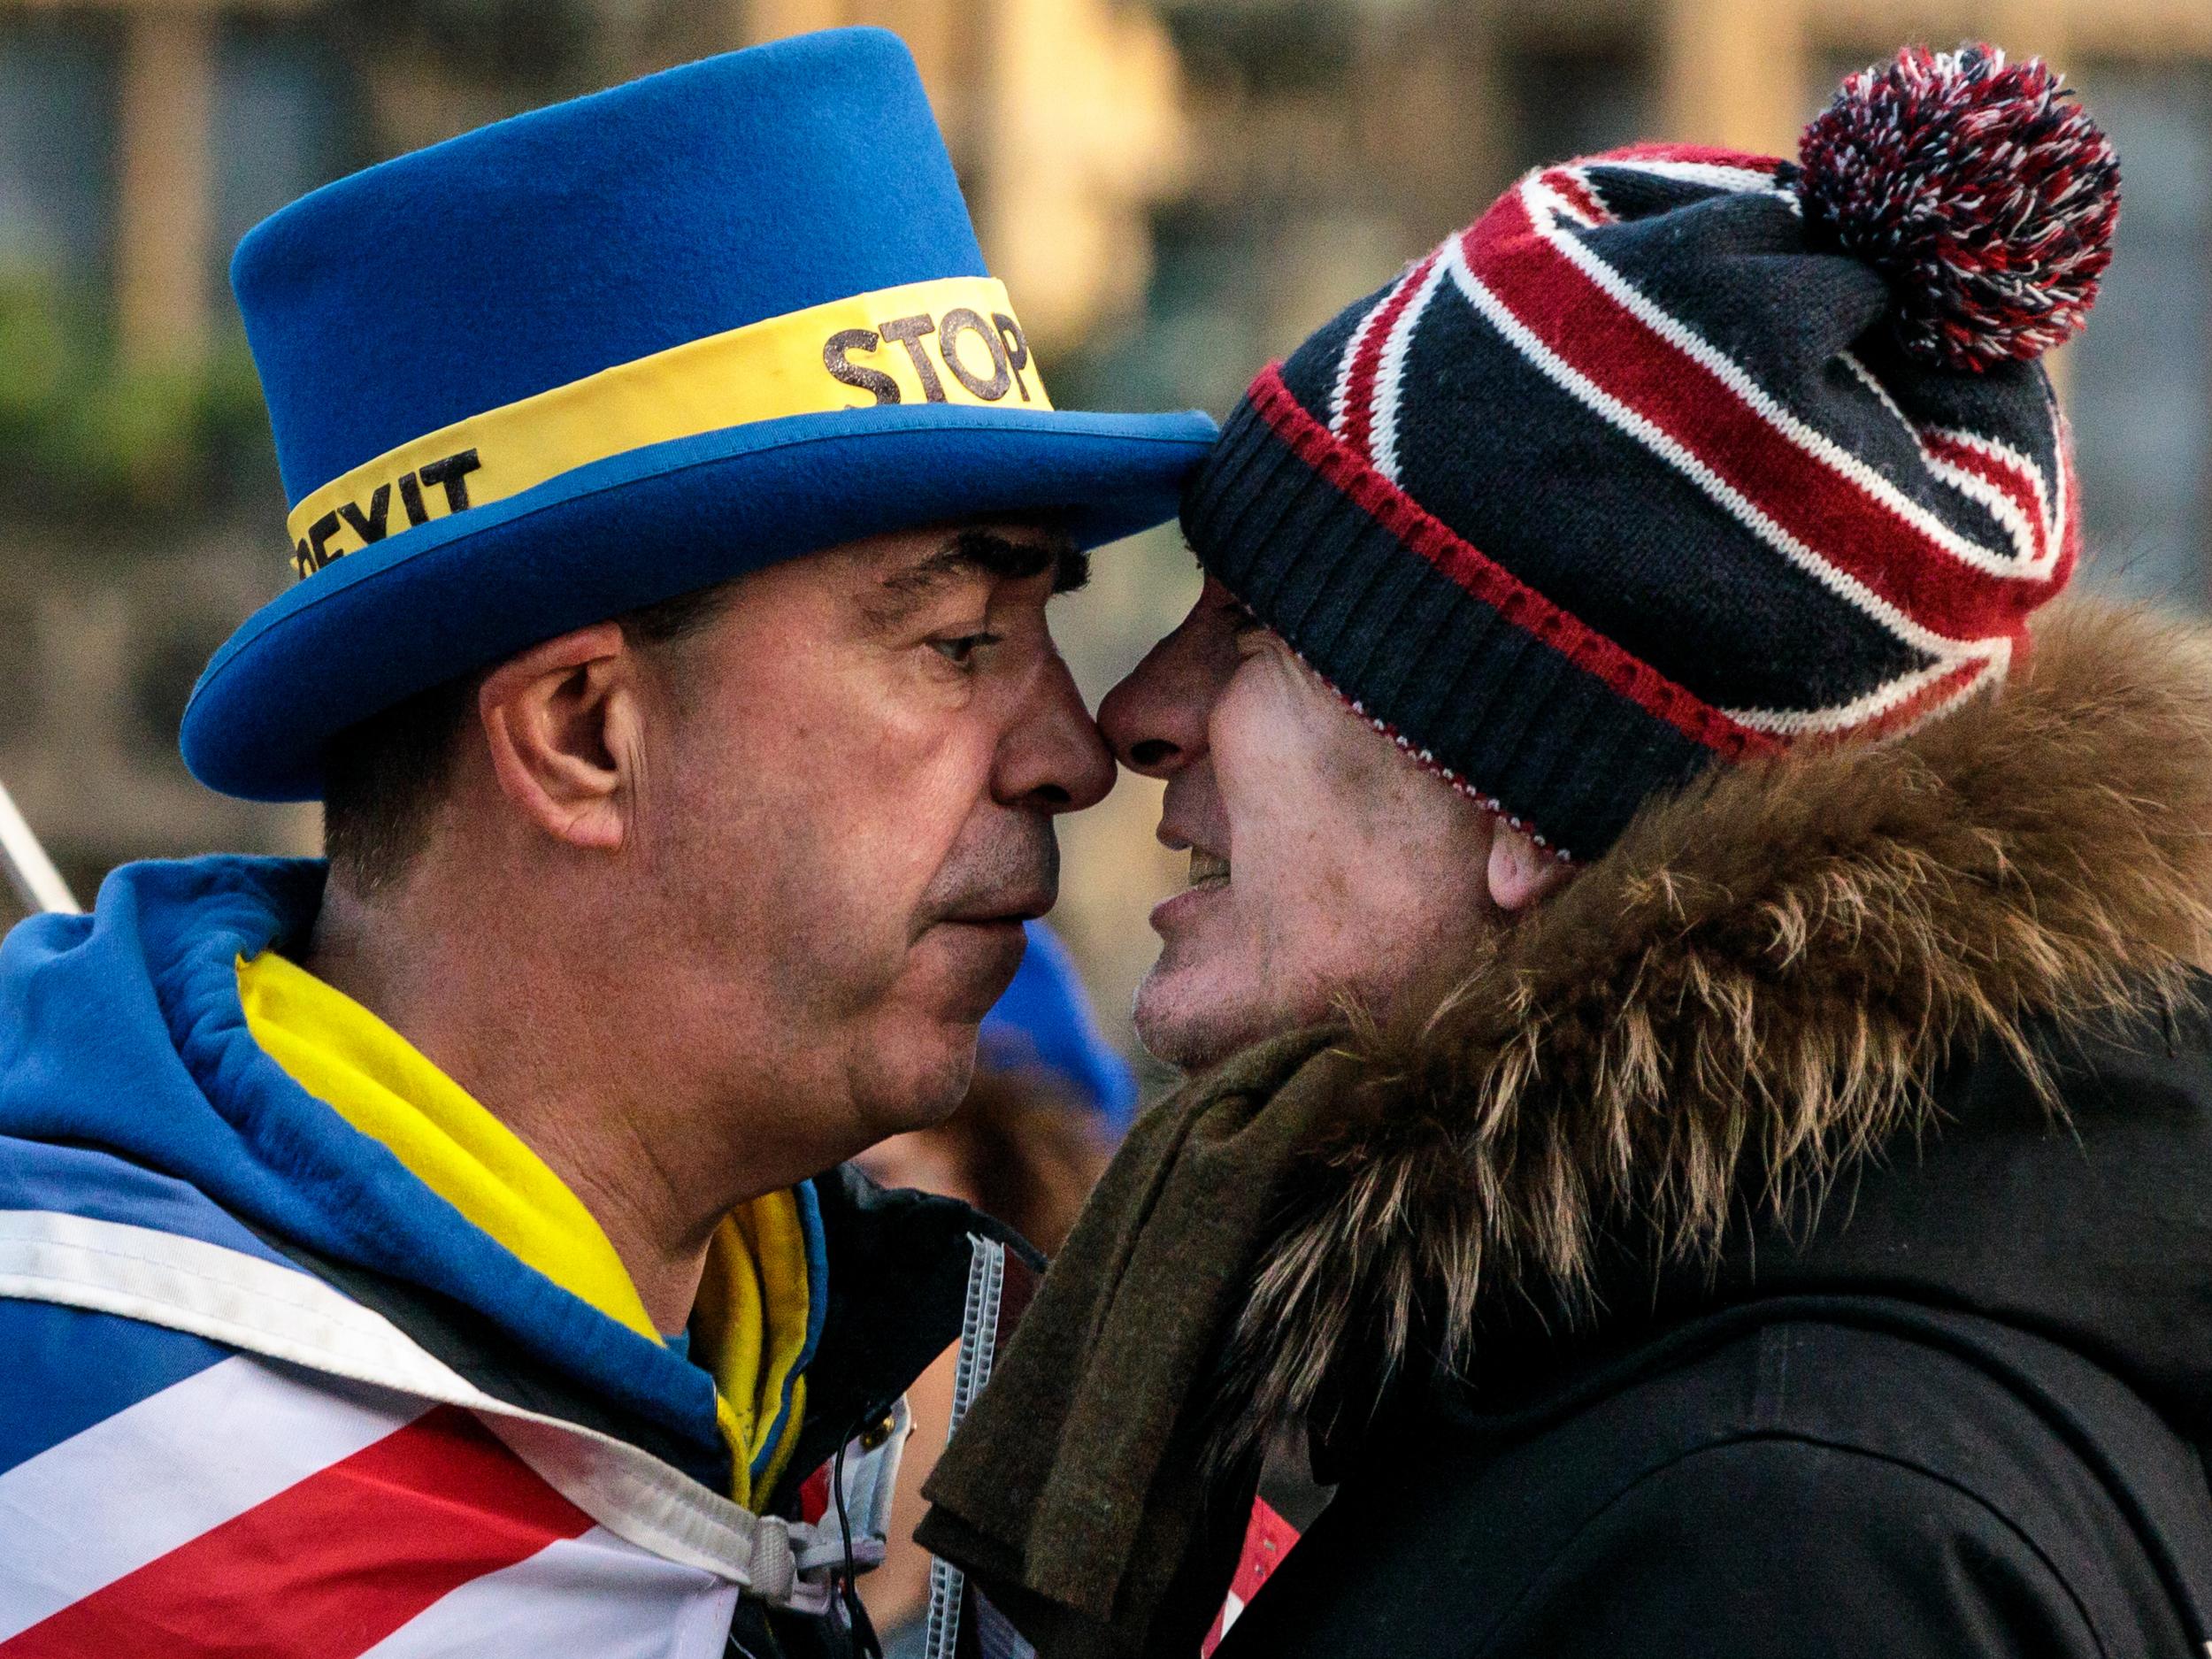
pixel 1183 1023
pixel 1186 1045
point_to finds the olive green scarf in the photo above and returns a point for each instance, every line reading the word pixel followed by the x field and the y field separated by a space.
pixel 1078 1494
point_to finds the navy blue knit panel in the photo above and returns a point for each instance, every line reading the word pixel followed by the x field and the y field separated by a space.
pixel 1508 714
pixel 1736 272
pixel 2010 403
pixel 1615 534
pixel 1633 191
pixel 1311 371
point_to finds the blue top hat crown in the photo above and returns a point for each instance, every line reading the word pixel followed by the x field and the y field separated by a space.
pixel 622 349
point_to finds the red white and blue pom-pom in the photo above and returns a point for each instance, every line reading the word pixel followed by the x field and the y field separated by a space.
pixel 1980 188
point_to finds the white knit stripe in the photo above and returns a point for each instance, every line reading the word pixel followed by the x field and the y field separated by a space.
pixel 1339 412
pixel 1840 582
pixel 2011 460
pixel 1390 372
pixel 1860 710
pixel 1992 673
pixel 1998 504
pixel 2062 446
pixel 1979 490
pixel 1590 186
pixel 1735 180
pixel 1544 214
pixel 1881 393
pixel 594 1595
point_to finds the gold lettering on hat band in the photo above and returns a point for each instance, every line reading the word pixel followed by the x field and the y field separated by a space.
pixel 951 341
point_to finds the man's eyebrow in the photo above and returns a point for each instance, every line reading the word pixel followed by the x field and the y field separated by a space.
pixel 987 553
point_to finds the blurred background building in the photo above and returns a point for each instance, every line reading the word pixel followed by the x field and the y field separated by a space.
pixel 1175 192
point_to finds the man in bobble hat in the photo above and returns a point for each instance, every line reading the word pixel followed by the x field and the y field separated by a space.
pixel 430 1253
pixel 1700 967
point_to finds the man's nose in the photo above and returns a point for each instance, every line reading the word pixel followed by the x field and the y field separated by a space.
pixel 1053 759
pixel 1155 721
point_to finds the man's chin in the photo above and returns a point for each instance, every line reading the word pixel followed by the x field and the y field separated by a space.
pixel 919 1049
pixel 964 967
pixel 1191 1025
pixel 916 1077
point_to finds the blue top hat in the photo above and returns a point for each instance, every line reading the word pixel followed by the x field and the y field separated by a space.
pixel 619 350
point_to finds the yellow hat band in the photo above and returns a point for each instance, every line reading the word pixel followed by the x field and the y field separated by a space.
pixel 951 341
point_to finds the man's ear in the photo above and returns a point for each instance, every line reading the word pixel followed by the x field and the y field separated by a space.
pixel 561 724
pixel 1521 872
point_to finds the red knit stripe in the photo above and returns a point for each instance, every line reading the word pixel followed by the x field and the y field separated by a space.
pixel 1359 390
pixel 1573 190
pixel 329 1568
pixel 1598 337
pixel 1946 687
pixel 1692 155
pixel 2008 477
pixel 1351 474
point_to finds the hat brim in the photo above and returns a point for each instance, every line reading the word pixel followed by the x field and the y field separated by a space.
pixel 461 592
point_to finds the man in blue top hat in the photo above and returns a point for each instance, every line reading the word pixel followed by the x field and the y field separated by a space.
pixel 428 1252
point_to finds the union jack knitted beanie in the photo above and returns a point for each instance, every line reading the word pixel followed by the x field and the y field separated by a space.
pixel 1679 455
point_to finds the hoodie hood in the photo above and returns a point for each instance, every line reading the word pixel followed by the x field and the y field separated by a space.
pixel 1915 1018
pixel 132 1090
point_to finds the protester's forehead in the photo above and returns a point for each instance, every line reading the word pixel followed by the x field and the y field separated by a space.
pixel 890 574
pixel 984 543
pixel 902 553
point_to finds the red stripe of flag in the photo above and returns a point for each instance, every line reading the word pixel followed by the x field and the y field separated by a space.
pixel 1359 390
pixel 1602 340
pixel 330 1567
pixel 1268 1539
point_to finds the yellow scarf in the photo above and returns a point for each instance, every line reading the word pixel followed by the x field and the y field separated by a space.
pixel 751 1324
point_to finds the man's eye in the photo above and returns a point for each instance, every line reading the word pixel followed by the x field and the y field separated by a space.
pixel 960 649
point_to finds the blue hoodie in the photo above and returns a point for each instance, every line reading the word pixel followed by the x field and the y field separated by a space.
pixel 131 1091
pixel 222 1306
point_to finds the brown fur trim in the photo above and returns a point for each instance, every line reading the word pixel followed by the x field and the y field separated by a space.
pixel 1754 986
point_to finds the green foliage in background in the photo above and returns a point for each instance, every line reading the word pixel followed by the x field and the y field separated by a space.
pixel 84 436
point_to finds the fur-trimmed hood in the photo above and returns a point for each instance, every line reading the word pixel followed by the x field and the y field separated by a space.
pixel 1755 988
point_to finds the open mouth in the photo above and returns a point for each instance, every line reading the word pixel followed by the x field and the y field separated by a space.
pixel 1207 870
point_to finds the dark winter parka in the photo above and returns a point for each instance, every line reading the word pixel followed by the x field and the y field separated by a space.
pixel 1793 1238
pixel 1907 1033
